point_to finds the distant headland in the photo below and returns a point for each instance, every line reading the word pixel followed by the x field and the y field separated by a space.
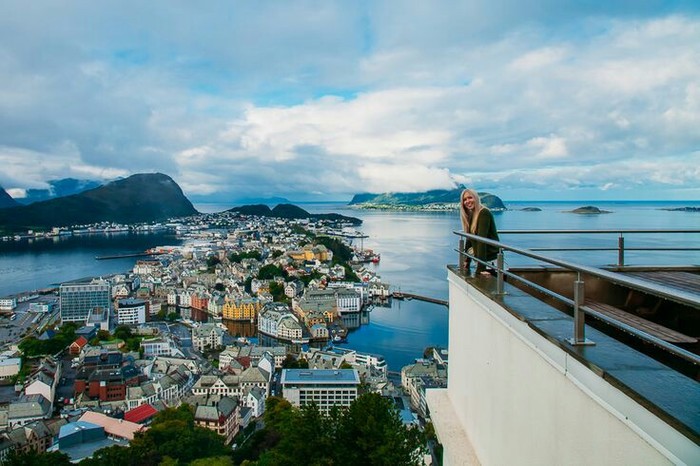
pixel 434 200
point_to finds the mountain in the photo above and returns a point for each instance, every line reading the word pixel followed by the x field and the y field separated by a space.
pixel 290 211
pixel 59 188
pixel 6 200
pixel 146 197
pixel 435 196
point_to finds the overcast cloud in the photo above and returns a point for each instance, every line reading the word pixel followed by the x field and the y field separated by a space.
pixel 321 100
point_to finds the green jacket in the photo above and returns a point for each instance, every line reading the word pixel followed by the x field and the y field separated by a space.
pixel 485 227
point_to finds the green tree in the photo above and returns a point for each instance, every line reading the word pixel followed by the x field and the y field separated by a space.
pixel 270 271
pixel 277 292
pixel 123 332
pixel 371 432
pixel 219 287
pixel 104 335
pixel 32 458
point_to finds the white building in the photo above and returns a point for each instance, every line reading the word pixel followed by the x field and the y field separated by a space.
pixel 132 311
pixel 323 387
pixel 348 301
pixel 9 366
pixel 207 336
pixel 160 346
pixel 8 304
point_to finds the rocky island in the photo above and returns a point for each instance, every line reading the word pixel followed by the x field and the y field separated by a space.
pixel 589 209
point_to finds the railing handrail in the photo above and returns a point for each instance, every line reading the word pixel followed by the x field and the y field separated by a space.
pixel 621 230
pixel 580 309
pixel 638 284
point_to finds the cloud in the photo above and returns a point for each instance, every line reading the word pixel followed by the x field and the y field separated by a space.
pixel 303 100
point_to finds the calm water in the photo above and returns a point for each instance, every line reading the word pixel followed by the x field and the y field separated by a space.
pixel 414 247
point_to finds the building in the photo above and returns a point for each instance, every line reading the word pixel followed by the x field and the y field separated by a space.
pixel 220 416
pixel 241 309
pixel 132 311
pixel 9 365
pixel 80 300
pixel 8 304
pixel 77 346
pixel 277 320
pixel 323 387
pixel 207 336
pixel 530 384
pixel 159 346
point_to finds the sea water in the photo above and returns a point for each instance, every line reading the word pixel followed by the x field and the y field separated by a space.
pixel 415 249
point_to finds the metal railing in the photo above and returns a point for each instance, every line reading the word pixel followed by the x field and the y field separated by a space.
pixel 579 308
pixel 620 247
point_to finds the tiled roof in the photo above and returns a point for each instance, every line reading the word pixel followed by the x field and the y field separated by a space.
pixel 115 427
pixel 140 413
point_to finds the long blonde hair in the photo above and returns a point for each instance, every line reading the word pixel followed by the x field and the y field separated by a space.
pixel 469 221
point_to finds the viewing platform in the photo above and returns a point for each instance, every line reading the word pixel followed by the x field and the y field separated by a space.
pixel 562 363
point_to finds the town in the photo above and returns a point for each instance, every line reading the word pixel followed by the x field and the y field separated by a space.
pixel 246 308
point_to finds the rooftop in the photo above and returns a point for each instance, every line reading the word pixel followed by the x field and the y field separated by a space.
pixel 320 376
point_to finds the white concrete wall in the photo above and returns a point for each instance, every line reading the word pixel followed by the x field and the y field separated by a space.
pixel 522 400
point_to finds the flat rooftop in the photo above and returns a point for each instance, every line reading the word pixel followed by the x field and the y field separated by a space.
pixel 320 376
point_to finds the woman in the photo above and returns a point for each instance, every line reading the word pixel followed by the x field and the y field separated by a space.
pixel 478 220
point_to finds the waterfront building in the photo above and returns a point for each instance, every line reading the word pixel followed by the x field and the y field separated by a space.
pixel 81 300
pixel 8 304
pixel 132 311
pixel 348 301
pixel 323 387
pixel 276 320
pixel 241 309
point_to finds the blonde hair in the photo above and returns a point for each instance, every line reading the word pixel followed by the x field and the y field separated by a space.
pixel 469 219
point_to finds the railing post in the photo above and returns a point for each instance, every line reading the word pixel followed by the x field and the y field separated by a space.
pixel 462 259
pixel 621 251
pixel 579 337
pixel 499 272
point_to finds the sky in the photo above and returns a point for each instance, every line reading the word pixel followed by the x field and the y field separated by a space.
pixel 320 100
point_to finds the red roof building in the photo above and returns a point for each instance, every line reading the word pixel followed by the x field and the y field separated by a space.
pixel 141 414
pixel 77 346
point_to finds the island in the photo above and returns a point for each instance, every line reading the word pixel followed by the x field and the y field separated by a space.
pixel 587 210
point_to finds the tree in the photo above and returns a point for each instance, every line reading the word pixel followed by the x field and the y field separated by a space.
pixel 371 432
pixel 16 458
pixel 219 287
pixel 277 292
pixel 270 271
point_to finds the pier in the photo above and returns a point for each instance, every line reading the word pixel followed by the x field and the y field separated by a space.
pixel 133 254
pixel 401 296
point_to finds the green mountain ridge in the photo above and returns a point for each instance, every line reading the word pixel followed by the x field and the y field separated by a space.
pixel 435 196
pixel 145 197
pixel 290 211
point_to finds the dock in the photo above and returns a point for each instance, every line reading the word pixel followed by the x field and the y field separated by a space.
pixel 134 254
pixel 401 296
